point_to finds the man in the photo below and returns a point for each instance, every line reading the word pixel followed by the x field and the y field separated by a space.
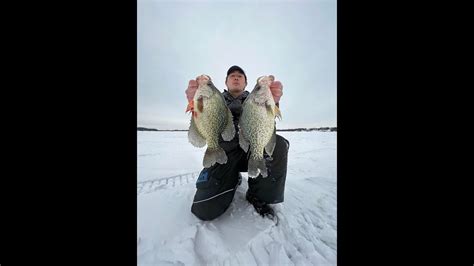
pixel 216 185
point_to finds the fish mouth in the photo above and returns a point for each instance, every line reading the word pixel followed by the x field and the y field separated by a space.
pixel 203 80
pixel 264 80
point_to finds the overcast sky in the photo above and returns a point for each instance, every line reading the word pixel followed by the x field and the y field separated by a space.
pixel 293 40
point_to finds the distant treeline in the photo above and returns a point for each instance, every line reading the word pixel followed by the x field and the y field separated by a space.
pixel 325 129
pixel 310 129
pixel 153 129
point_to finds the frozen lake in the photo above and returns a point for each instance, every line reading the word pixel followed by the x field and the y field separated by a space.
pixel 169 234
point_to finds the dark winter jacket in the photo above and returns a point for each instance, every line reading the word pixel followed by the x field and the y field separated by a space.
pixel 235 106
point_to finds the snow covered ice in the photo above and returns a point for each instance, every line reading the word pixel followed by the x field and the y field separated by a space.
pixel 169 234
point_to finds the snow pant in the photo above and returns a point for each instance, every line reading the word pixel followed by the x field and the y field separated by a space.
pixel 216 185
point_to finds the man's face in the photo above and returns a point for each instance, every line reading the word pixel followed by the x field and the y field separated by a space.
pixel 236 82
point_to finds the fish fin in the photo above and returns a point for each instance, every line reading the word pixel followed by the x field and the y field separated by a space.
pixel 256 166
pixel 194 136
pixel 190 107
pixel 270 109
pixel 213 156
pixel 244 144
pixel 274 110
pixel 229 130
pixel 271 144
pixel 277 112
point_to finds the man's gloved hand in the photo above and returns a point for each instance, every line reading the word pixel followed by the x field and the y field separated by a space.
pixel 276 88
pixel 190 91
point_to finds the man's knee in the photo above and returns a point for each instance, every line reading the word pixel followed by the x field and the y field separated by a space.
pixel 208 210
pixel 215 191
pixel 212 207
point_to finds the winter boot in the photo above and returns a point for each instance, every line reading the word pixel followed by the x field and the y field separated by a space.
pixel 260 206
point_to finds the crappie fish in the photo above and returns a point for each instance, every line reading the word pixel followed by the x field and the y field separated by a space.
pixel 257 130
pixel 210 118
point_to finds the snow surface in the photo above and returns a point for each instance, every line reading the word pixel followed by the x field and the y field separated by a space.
pixel 169 234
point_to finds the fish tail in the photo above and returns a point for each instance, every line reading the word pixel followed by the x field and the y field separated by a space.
pixel 214 155
pixel 256 166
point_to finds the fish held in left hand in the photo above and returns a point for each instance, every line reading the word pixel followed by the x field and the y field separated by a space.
pixel 210 118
